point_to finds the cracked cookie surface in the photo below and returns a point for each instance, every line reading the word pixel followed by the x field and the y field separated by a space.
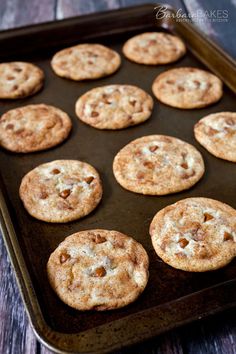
pixel 98 270
pixel 114 106
pixel 33 128
pixel 187 88
pixel 19 80
pixel 85 62
pixel 195 234
pixel 153 48
pixel 217 133
pixel 158 165
pixel 61 190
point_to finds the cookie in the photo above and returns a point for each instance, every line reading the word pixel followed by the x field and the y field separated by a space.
pixel 114 106
pixel 61 191
pixel 195 234
pixel 85 62
pixel 158 165
pixel 33 128
pixel 98 270
pixel 153 48
pixel 217 133
pixel 19 79
pixel 187 88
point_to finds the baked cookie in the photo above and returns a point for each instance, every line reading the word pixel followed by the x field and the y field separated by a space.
pixel 61 190
pixel 217 133
pixel 33 128
pixel 153 48
pixel 195 234
pixel 114 106
pixel 158 165
pixel 187 88
pixel 98 270
pixel 85 62
pixel 19 79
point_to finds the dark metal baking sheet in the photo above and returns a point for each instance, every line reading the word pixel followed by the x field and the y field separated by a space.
pixel 172 297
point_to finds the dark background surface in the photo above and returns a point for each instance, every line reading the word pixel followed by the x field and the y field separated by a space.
pixel 214 335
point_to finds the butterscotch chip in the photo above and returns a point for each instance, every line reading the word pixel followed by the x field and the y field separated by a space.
pixel 217 133
pixel 153 48
pixel 183 237
pixel 228 236
pixel 183 242
pixel 85 62
pixel 99 272
pixel 33 128
pixel 114 106
pixel 64 257
pixel 19 80
pixel 98 276
pixel 89 179
pixel 61 197
pixel 207 217
pixel 172 166
pixel 187 88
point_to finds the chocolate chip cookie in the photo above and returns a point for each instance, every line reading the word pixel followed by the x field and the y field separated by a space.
pixel 85 62
pixel 195 234
pixel 114 106
pixel 61 191
pixel 217 133
pixel 19 79
pixel 33 128
pixel 187 88
pixel 158 165
pixel 98 270
pixel 153 48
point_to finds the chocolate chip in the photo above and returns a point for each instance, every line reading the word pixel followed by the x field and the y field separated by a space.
pixel 227 236
pixel 20 131
pixel 196 82
pixel 99 272
pixel 89 179
pixel 212 131
pixel 133 103
pixel 106 98
pixel 140 175
pixel 9 126
pixel 99 239
pixel 55 171
pixel 183 242
pixel 43 195
pixel 64 194
pixel 208 217
pixel 184 165
pixel 186 175
pixel 180 88
pixel 17 70
pixel 152 42
pixel 64 257
pixel 153 148
pixel 148 164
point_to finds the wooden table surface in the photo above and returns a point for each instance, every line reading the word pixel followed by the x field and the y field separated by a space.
pixel 216 334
